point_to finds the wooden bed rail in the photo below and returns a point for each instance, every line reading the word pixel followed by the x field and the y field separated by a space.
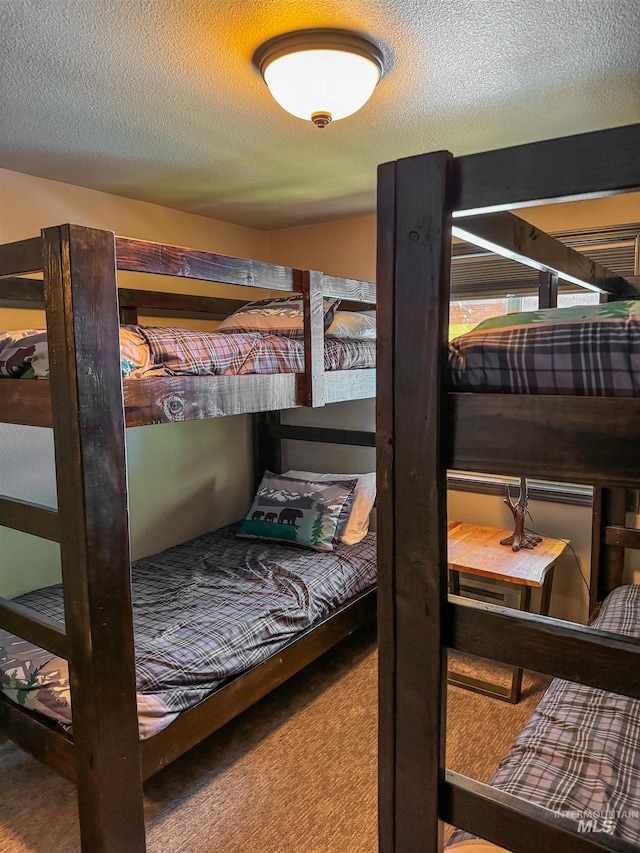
pixel 502 818
pixel 544 644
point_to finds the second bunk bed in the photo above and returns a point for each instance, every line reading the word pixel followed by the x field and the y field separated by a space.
pixel 538 416
pixel 120 669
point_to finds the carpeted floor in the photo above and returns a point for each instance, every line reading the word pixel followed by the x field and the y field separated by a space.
pixel 294 774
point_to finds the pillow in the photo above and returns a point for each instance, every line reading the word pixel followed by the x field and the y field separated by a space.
pixel 357 325
pixel 299 512
pixel 365 495
pixel 617 310
pixel 275 316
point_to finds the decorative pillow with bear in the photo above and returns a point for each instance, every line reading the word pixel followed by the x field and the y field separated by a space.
pixel 299 512
pixel 356 526
pixel 275 316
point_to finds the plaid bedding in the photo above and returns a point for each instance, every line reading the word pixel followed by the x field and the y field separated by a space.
pixel 579 753
pixel 598 357
pixel 203 612
pixel 185 351
pixel 147 351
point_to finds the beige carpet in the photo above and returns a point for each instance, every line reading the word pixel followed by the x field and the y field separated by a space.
pixel 294 774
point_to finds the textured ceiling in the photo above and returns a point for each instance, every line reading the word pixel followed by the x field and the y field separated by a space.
pixel 157 99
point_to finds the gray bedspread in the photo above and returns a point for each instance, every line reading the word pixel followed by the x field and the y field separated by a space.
pixel 203 612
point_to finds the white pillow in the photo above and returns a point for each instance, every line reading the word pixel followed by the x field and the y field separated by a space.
pixel 359 325
pixel 358 524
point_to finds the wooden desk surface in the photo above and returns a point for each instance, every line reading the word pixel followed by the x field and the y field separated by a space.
pixel 476 550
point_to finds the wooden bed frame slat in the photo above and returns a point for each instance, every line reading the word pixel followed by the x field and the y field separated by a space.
pixel 517 824
pixel 28 517
pixel 590 440
pixel 295 432
pixel 23 256
pixel 624 537
pixel 604 162
pixel 161 259
pixel 40 737
pixel 544 644
pixel 34 627
pixel 512 237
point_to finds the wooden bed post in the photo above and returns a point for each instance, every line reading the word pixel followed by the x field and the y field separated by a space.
pixel 88 423
pixel 413 283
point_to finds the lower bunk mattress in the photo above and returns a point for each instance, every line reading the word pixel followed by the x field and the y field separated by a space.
pixel 203 612
pixel 579 753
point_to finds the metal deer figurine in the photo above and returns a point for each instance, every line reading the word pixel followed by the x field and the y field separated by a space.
pixel 519 538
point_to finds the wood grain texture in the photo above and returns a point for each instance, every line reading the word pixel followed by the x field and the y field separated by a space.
pixel 23 256
pixel 39 736
pixel 516 824
pixel 26 402
pixel 591 440
pixel 547 290
pixel 419 277
pixel 161 259
pixel 587 165
pixel 294 432
pixel 359 384
pixel 36 519
pixel 475 549
pixel 88 422
pixel 313 327
pixel 34 627
pixel 350 289
pixel 551 646
pixel 626 537
pixel 512 237
pixel 385 472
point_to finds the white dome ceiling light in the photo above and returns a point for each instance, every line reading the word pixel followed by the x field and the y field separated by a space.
pixel 320 75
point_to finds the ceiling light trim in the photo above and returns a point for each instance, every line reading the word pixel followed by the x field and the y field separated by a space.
pixel 323 38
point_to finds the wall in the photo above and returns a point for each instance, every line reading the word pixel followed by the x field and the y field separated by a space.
pixel 184 478
pixel 348 248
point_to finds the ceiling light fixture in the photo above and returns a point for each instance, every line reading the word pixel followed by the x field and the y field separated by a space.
pixel 320 75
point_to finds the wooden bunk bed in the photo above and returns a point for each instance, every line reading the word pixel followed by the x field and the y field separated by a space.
pixel 89 410
pixel 423 429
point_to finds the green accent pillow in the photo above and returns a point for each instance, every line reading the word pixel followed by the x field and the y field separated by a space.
pixel 299 512
pixel 619 310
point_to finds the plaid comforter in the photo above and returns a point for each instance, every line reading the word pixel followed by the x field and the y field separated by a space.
pixel 579 754
pixel 588 358
pixel 147 351
pixel 203 612
pixel 185 351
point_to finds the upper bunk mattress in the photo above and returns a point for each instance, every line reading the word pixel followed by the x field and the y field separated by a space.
pixel 589 350
pixel 579 754
pixel 203 612
pixel 147 351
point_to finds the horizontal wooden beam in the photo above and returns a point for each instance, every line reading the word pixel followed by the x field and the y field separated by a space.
pixel 501 434
pixel 36 519
pixel 26 402
pixel 349 288
pixel 517 824
pixel 160 259
pixel 626 537
pixel 24 256
pixel 14 289
pixel 587 165
pixel 551 646
pixel 294 432
pixel 34 627
pixel 512 237
pixel 158 303
pixel 39 736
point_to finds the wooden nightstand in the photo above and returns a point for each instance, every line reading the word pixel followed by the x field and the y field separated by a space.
pixel 474 549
